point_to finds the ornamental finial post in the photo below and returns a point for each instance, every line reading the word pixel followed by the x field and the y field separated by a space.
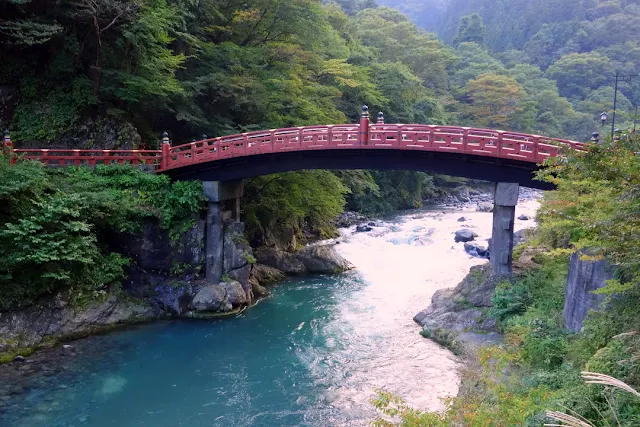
pixel 363 131
pixel 595 137
pixel 166 150
pixel 380 120
pixel 7 146
pixel 204 136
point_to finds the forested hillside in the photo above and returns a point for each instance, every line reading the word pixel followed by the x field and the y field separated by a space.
pixel 579 45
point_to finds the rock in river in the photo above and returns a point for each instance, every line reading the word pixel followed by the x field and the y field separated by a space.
pixel 484 207
pixel 476 250
pixel 235 294
pixel 281 260
pixel 265 275
pixel 210 298
pixel 465 236
pixel 363 228
pixel 323 259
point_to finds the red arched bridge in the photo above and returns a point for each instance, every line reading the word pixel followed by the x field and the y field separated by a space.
pixel 491 155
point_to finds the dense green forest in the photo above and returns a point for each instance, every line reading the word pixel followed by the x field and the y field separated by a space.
pixel 116 73
pixel 579 44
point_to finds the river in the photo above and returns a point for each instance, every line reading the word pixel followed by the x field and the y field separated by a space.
pixel 312 354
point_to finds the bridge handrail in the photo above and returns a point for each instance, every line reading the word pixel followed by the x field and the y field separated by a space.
pixel 69 157
pixel 413 137
pixel 468 140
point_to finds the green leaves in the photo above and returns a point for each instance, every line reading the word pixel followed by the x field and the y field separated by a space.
pixel 596 205
pixel 284 204
pixel 51 223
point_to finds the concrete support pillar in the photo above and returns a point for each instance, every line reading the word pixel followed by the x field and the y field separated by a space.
pixel 504 213
pixel 217 192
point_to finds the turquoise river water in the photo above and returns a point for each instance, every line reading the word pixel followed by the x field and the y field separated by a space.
pixel 313 354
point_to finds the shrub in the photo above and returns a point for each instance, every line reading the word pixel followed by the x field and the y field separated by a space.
pixel 510 300
pixel 51 221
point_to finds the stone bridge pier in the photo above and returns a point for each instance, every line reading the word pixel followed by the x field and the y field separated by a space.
pixel 224 204
pixel 505 200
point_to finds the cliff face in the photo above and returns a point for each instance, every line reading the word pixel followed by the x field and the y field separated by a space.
pixel 584 277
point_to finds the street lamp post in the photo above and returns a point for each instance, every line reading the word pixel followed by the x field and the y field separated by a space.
pixel 619 78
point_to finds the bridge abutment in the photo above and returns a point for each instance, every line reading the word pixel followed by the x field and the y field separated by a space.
pixel 220 194
pixel 505 200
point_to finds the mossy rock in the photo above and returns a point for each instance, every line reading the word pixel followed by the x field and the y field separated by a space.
pixel 447 338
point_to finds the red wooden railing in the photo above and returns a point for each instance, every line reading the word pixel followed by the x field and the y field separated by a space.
pixel 452 139
pixel 58 157
pixel 479 142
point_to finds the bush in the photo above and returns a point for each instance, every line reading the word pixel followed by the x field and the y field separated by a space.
pixel 52 219
pixel 510 300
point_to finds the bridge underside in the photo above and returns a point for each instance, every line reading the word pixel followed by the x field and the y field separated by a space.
pixel 454 164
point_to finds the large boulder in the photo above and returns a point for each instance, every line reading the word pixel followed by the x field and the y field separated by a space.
pixel 323 259
pixel 173 299
pixel 347 219
pixel 235 293
pixel 258 290
pixel 265 275
pixel 463 308
pixel 261 276
pixel 281 260
pixel 210 298
pixel 484 207
pixel 476 250
pixel 465 235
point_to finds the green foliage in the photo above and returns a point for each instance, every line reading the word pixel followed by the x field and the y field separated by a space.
pixel 53 220
pixel 471 29
pixel 279 203
pixel 510 300
pixel 579 73
pixel 596 205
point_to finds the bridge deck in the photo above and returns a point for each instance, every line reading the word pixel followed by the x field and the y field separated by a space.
pixel 512 147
